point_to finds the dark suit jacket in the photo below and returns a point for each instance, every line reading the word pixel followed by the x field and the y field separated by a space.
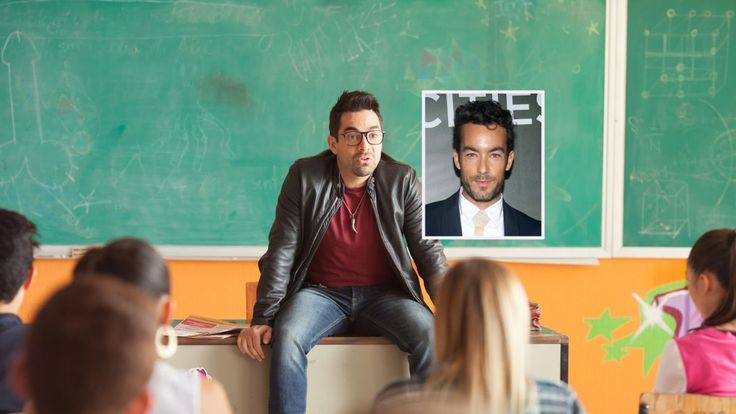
pixel 442 218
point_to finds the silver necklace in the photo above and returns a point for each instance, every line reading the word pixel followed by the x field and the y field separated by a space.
pixel 353 213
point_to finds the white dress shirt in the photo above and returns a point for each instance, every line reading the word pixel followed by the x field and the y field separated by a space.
pixel 494 228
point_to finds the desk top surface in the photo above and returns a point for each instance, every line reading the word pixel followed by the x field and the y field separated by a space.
pixel 543 336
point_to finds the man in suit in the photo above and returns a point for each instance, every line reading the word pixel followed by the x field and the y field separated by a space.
pixel 483 153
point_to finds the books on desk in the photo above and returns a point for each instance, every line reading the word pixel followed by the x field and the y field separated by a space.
pixel 535 312
pixel 201 327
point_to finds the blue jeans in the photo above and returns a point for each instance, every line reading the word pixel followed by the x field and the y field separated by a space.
pixel 315 312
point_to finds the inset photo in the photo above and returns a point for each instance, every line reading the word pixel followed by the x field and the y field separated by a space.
pixel 483 164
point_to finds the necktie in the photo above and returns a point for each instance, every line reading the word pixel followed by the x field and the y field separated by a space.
pixel 480 220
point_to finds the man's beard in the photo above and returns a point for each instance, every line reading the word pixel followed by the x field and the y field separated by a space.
pixel 485 196
pixel 363 171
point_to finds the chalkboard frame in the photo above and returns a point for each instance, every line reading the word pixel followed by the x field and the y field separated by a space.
pixel 619 113
pixel 510 252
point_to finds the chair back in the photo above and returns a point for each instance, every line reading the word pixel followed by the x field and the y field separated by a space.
pixel 661 403
pixel 250 299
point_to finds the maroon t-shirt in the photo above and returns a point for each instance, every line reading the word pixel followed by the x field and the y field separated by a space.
pixel 346 258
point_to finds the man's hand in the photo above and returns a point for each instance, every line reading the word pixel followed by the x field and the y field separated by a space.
pixel 250 339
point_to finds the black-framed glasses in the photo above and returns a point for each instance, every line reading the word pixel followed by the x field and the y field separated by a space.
pixel 354 138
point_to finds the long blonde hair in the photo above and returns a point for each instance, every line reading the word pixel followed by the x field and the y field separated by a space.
pixel 482 335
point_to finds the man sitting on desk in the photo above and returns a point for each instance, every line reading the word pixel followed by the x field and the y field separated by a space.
pixel 337 258
pixel 483 152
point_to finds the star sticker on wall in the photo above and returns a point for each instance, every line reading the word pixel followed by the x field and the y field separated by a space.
pixel 615 351
pixel 604 325
pixel 510 31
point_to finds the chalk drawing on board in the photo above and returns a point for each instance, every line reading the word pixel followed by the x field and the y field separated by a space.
pixel 724 155
pixel 686 54
pixel 408 32
pixel 194 135
pixel 723 159
pixel 648 139
pixel 580 223
pixel 20 53
pixel 516 9
pixel 135 159
pixel 593 28
pixel 360 41
pixel 214 12
pixel 88 200
pixel 509 32
pixel 710 163
pixel 665 208
pixel 31 158
pixel 723 149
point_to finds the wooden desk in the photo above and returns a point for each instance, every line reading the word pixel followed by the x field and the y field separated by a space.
pixel 344 373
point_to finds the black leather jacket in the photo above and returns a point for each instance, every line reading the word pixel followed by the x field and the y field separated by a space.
pixel 310 196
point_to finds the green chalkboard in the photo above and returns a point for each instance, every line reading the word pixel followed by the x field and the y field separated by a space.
pixel 177 120
pixel 680 148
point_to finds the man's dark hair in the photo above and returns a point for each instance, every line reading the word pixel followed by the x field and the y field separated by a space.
pixel 90 349
pixel 132 260
pixel 486 113
pixel 352 102
pixel 17 242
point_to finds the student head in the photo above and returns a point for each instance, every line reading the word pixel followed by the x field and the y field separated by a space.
pixel 90 350
pixel 134 261
pixel 481 335
pixel 711 276
pixel 483 150
pixel 356 135
pixel 16 256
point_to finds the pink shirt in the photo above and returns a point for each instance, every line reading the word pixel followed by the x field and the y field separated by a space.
pixel 703 362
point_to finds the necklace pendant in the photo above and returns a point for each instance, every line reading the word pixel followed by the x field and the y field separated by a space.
pixel 352 224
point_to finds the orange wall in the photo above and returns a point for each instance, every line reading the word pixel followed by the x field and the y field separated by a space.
pixel 568 295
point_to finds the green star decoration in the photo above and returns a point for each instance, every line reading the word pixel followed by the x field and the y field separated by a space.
pixel 604 325
pixel 669 287
pixel 652 341
pixel 616 351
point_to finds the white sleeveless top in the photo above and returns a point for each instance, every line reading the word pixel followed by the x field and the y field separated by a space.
pixel 174 390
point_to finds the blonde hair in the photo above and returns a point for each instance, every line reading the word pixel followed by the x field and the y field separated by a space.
pixel 482 335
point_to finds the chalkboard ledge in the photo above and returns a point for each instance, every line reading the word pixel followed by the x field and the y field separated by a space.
pixel 546 255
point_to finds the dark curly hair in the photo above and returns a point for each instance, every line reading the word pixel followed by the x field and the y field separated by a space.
pixel 352 102
pixel 17 242
pixel 483 113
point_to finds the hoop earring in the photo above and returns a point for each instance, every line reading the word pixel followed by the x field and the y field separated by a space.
pixel 168 350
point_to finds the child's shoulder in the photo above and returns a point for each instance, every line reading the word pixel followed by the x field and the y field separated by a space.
pixel 707 334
